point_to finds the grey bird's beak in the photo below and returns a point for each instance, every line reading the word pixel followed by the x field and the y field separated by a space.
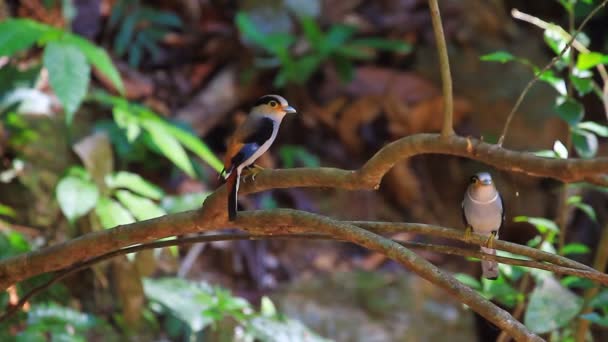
pixel 289 110
pixel 486 182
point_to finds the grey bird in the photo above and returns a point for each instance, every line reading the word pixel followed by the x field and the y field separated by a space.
pixel 483 212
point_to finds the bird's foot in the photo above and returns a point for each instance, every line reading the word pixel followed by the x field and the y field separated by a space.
pixel 467 233
pixel 251 172
pixel 490 241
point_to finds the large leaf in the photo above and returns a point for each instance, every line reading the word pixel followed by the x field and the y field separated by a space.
pixel 168 144
pixel 99 58
pixel 590 59
pixel 19 34
pixel 135 183
pixel 183 299
pixel 142 208
pixel 76 196
pixel 551 306
pixel 194 144
pixel 69 75
pixel 112 214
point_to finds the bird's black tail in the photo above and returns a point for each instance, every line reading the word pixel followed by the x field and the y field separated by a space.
pixel 232 186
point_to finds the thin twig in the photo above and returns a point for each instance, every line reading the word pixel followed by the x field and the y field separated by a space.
pixel 547 67
pixel 444 64
pixel 600 263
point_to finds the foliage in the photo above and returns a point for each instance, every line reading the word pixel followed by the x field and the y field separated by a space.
pixel 197 306
pixel 337 45
pixel 67 57
pixel 139 29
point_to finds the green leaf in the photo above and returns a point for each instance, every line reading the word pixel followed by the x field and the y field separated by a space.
pixel 600 301
pixel 76 196
pixel 383 44
pixel 185 300
pixel 267 307
pixel 551 306
pixel 468 280
pixel 583 85
pixel 196 146
pixel 312 32
pixel 177 204
pixel 7 211
pixel 142 208
pixel 576 282
pixel 337 36
pixel 574 248
pixel 168 145
pixel 135 183
pixel 594 127
pixel 498 56
pixel 69 75
pixel 543 225
pixel 99 58
pixel 19 34
pixel 268 329
pixel 560 149
pixel 112 214
pixel 556 39
pixel 590 59
pixel 596 318
pixel 127 121
pixel 570 110
pixel 585 143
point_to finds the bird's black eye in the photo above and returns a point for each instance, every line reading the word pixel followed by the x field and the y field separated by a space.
pixel 273 103
pixel 474 179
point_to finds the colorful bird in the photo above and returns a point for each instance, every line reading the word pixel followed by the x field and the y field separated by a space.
pixel 483 212
pixel 250 140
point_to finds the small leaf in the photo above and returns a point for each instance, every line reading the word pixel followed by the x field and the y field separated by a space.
pixel 587 209
pixel 576 282
pixel 267 307
pixel 498 56
pixel 196 146
pixel 7 211
pixel 601 300
pixel 583 85
pixel 594 127
pixel 142 208
pixel 127 121
pixel 542 224
pixel 590 59
pixel 574 248
pixel 570 110
pixel 596 318
pixel 135 183
pixel 168 145
pixel 76 196
pixel 585 143
pixel 383 44
pixel 468 280
pixel 551 306
pixel 112 214
pixel 560 149
pixel 69 75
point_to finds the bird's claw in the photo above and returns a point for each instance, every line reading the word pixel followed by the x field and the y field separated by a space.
pixel 467 233
pixel 490 241
pixel 251 172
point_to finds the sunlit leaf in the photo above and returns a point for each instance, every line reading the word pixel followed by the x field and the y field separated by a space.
pixel 585 143
pixel 542 224
pixel 69 74
pixel 76 196
pixel 7 211
pixel 560 149
pixel 550 306
pixel 168 145
pixel 135 183
pixel 498 56
pixel 594 127
pixel 112 214
pixel 574 248
pixel 141 207
pixel 590 59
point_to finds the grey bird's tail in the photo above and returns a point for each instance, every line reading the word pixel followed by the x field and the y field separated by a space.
pixel 489 269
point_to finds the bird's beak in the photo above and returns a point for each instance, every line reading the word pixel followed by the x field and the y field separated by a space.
pixel 486 182
pixel 289 110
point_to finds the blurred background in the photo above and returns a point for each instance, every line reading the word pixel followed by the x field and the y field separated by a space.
pixel 114 111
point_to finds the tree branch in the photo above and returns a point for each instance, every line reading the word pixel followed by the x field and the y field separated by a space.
pixel 444 64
